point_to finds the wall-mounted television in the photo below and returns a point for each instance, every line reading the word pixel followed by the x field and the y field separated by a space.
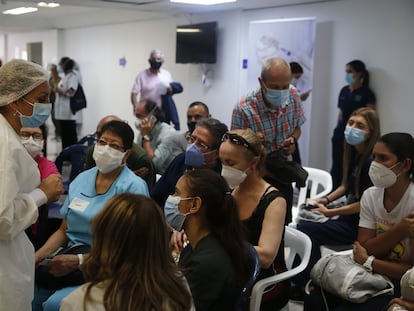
pixel 196 43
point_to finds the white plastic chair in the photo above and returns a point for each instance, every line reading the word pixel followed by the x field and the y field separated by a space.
pixel 298 244
pixel 318 185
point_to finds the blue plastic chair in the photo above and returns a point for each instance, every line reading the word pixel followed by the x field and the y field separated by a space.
pixel 254 267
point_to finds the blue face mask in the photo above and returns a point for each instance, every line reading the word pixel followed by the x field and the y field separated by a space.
pixel 349 78
pixel 39 116
pixel 59 69
pixel 193 156
pixel 354 136
pixel 173 215
pixel 279 98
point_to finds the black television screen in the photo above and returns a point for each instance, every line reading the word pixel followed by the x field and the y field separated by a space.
pixel 196 43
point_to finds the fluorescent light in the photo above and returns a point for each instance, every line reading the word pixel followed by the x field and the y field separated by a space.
pixel 21 10
pixel 189 30
pixel 48 4
pixel 203 2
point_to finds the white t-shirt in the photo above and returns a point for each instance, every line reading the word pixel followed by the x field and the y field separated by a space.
pixel 373 215
pixel 151 85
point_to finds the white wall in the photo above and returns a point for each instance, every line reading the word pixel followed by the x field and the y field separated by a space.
pixel 379 32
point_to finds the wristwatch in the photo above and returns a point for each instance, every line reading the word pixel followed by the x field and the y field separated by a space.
pixel 146 138
pixel 368 263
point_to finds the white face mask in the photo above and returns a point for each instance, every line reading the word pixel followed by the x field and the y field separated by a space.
pixel 107 159
pixel 233 176
pixel 382 176
pixel 34 147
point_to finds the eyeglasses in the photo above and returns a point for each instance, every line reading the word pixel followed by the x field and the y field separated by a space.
pixel 102 142
pixel 27 135
pixel 240 141
pixel 192 140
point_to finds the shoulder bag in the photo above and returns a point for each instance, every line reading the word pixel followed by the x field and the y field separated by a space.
pixel 78 100
pixel 340 275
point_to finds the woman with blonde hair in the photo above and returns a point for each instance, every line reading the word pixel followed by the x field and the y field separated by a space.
pixel 130 266
pixel 262 208
pixel 361 133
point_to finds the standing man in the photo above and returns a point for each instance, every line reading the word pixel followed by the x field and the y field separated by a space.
pixel 275 113
pixel 152 82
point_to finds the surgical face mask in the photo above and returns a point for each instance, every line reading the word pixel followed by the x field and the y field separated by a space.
pixel 382 176
pixel 350 78
pixel 107 159
pixel 294 81
pixel 59 69
pixel 279 98
pixel 34 147
pixel 233 176
pixel 154 64
pixel 39 115
pixel 193 156
pixel 173 215
pixel 354 136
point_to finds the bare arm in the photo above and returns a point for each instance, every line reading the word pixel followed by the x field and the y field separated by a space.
pixel 134 99
pixel 55 241
pixel 272 230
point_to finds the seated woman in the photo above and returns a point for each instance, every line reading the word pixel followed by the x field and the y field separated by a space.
pixel 262 208
pixel 361 134
pixel 214 261
pixel 122 276
pixel 384 243
pixel 87 195
pixel 33 139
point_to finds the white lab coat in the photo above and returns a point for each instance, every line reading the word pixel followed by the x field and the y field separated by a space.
pixel 19 175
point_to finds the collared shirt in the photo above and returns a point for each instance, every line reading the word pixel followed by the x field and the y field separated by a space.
pixel 161 144
pixel 276 123
pixel 151 85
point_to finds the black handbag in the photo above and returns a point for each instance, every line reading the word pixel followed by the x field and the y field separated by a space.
pixel 44 279
pixel 78 100
pixel 287 171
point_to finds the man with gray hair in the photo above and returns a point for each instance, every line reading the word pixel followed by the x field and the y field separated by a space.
pixel 152 82
pixel 275 113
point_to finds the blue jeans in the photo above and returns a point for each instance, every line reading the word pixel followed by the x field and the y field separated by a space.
pixel 49 299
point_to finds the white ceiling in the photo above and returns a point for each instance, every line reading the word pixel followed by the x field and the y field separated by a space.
pixel 84 13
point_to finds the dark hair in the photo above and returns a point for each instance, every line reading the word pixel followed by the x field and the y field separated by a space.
pixel 136 278
pixel 197 103
pixel 295 67
pixel 402 145
pixel 221 215
pixel 68 65
pixel 215 127
pixel 120 129
pixel 359 66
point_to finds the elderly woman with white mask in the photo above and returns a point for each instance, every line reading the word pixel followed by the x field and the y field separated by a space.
pixel 58 275
pixel 24 102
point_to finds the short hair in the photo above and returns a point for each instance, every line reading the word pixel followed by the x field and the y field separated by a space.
pixel 121 129
pixel 215 127
pixel 277 62
pixel 295 67
pixel 198 103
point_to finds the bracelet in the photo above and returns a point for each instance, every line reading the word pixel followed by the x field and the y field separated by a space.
pixel 80 256
pixel 327 200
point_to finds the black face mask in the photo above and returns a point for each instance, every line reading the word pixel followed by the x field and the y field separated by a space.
pixel 154 64
pixel 191 126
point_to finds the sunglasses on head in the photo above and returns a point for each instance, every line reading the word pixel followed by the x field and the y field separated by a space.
pixel 240 141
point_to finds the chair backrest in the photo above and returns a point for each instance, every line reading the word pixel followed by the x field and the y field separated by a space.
pixel 254 268
pixel 318 185
pixel 299 244
pixel 75 154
